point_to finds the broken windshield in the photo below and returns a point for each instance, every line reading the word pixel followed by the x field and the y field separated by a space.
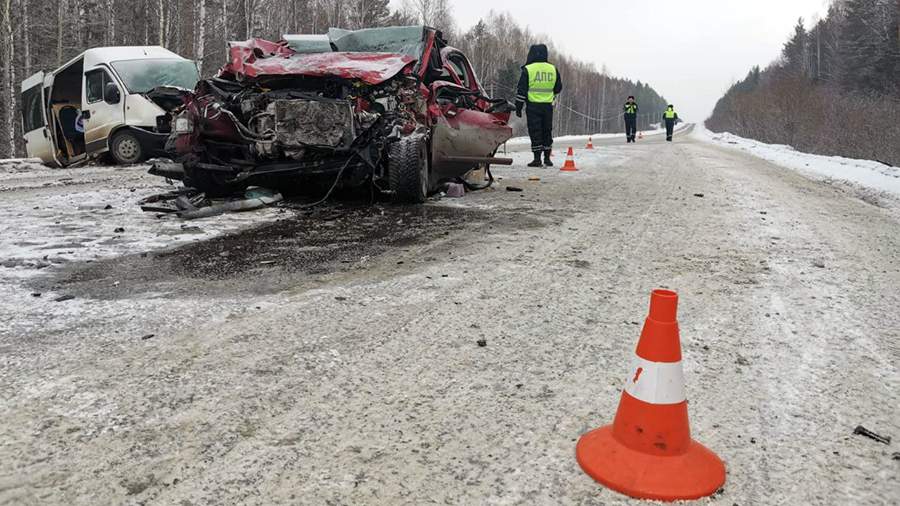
pixel 141 76
pixel 406 40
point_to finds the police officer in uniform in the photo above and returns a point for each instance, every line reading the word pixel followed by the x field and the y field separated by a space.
pixel 631 109
pixel 670 117
pixel 538 87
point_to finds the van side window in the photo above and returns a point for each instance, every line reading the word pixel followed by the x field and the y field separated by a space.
pixel 32 111
pixel 96 80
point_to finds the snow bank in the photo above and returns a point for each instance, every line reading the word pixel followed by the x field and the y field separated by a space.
pixel 52 217
pixel 13 165
pixel 867 173
pixel 20 160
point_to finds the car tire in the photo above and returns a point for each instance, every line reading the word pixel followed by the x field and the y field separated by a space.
pixel 409 170
pixel 126 149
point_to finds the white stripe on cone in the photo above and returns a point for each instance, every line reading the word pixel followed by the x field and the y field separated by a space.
pixel 656 382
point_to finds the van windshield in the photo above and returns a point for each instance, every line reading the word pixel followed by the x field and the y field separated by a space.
pixel 141 76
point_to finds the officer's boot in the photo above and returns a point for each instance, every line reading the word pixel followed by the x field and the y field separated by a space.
pixel 537 160
pixel 547 161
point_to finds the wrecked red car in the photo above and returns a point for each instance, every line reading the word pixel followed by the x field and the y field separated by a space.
pixel 396 108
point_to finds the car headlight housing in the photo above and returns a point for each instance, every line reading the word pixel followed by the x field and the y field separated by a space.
pixel 183 125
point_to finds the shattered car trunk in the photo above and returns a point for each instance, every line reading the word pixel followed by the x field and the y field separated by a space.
pixel 391 107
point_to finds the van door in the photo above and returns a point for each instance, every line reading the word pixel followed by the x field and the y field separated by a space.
pixel 38 138
pixel 101 110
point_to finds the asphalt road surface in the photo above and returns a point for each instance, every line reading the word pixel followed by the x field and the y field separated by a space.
pixel 332 356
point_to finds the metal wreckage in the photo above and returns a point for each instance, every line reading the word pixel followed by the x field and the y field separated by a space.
pixel 395 108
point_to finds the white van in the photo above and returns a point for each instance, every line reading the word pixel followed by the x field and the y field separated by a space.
pixel 107 99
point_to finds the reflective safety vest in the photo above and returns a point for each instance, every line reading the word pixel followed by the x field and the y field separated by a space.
pixel 630 108
pixel 670 114
pixel 541 82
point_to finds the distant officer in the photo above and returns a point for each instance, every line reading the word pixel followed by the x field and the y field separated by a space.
pixel 670 117
pixel 631 110
pixel 538 87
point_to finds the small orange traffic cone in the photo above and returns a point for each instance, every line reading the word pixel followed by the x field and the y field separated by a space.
pixel 647 452
pixel 569 166
pixel 590 144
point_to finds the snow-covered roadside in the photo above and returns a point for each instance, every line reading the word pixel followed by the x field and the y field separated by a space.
pixel 55 216
pixel 588 162
pixel 867 173
pixel 525 141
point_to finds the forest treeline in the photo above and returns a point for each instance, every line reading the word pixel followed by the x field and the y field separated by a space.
pixel 835 90
pixel 43 34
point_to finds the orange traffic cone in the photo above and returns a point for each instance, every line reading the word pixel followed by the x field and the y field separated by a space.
pixel 569 166
pixel 648 452
pixel 590 144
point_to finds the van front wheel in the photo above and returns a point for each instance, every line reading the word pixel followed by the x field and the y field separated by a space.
pixel 126 149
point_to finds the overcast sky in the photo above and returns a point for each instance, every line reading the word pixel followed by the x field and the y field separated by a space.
pixel 688 50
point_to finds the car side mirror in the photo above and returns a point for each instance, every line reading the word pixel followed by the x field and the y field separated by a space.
pixel 111 94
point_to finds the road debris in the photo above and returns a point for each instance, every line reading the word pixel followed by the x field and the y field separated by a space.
pixel 481 343
pixel 148 336
pixel 456 190
pixel 189 204
pixel 166 168
pixel 699 195
pixel 513 189
pixel 64 298
pixel 862 431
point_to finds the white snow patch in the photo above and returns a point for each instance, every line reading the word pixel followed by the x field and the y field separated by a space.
pixel 525 141
pixel 53 217
pixel 867 173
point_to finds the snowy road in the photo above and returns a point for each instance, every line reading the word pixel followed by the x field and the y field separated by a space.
pixel 331 357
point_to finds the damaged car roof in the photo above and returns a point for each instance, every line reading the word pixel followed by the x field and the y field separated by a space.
pixel 408 40
pixel 372 55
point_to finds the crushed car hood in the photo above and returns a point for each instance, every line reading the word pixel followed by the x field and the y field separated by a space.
pixel 257 58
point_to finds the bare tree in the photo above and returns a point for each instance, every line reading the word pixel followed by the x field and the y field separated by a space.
pixel 9 93
pixel 201 34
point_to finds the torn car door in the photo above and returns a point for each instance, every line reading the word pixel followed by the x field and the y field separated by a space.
pixel 469 124
pixel 38 138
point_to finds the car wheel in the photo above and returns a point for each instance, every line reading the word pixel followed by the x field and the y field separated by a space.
pixel 126 149
pixel 408 170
